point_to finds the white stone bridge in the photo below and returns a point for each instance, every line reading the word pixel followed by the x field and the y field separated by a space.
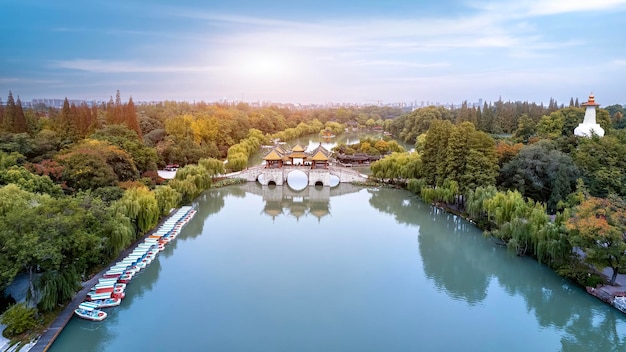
pixel 278 176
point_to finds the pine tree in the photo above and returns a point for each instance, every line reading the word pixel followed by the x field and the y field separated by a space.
pixel 576 103
pixel 10 113
pixel 118 113
pixel 66 126
pixel 130 117
pixel 110 112
pixel 571 102
pixel 19 125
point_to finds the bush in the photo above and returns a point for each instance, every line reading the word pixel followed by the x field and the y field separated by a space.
pixel 19 318
pixel 580 273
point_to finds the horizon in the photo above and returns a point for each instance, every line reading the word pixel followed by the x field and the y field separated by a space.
pixel 342 52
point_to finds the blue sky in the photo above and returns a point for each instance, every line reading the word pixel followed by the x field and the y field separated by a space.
pixel 315 51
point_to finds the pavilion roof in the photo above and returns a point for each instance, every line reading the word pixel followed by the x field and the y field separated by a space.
pixel 298 155
pixel 297 148
pixel 320 153
pixel 273 155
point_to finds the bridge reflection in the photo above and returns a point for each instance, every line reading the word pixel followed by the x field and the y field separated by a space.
pixel 284 201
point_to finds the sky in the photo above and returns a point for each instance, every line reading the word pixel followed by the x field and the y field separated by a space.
pixel 304 51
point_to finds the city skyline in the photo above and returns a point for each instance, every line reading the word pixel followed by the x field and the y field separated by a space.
pixel 314 52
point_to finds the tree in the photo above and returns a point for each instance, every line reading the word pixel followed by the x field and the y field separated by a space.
pixel 526 128
pixel 19 125
pixel 212 166
pixel 435 150
pixel 144 158
pixel 10 114
pixel 141 207
pixel 602 162
pixel 542 173
pixel 130 117
pixel 167 199
pixel 83 171
pixel 598 228
pixel 66 126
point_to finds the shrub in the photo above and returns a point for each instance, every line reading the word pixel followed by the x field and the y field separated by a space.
pixel 19 318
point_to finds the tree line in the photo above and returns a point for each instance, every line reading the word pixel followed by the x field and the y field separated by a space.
pixel 541 191
pixel 79 184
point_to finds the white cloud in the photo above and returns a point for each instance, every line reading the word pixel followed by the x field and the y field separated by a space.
pixel 553 7
pixel 619 62
pixel 526 8
pixel 104 66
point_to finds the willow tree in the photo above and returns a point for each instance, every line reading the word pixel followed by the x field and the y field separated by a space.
pixel 212 166
pixel 141 207
pixel 598 228
pixel 167 198
pixel 190 181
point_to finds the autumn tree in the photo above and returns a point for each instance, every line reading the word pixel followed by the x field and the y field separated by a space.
pixel 145 158
pixel 130 117
pixel 598 228
pixel 10 114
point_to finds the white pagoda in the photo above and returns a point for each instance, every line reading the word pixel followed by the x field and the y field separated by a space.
pixel 589 125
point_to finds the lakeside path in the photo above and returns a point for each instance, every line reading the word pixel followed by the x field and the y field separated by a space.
pixel 52 332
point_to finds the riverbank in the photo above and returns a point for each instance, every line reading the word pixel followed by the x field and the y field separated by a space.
pixel 607 293
pixel 604 292
pixel 44 342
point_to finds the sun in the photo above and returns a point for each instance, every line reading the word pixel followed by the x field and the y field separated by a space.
pixel 264 65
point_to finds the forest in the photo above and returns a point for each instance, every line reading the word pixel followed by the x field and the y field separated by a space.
pixel 79 184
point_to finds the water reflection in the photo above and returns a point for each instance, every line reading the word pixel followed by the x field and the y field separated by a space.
pixel 466 266
pixel 312 201
pixel 423 271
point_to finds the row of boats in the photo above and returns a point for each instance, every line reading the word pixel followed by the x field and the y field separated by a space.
pixel 110 289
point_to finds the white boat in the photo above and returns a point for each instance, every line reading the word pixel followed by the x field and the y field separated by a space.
pixel 103 303
pixel 108 284
pixel 93 296
pixel 619 302
pixel 90 313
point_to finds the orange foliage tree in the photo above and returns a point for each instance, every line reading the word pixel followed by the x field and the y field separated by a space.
pixel 598 229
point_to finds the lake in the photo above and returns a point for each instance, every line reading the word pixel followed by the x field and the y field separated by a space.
pixel 342 269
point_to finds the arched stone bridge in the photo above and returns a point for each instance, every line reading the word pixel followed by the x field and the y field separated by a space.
pixel 278 176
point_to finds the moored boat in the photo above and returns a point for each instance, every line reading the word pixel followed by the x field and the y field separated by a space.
pixel 619 302
pixel 103 303
pixel 90 313
pixel 93 296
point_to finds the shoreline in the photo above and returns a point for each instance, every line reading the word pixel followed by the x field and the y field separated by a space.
pixel 50 334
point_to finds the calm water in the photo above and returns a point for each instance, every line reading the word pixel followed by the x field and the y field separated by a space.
pixel 347 269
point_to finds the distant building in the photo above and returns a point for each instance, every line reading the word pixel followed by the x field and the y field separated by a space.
pixel 589 125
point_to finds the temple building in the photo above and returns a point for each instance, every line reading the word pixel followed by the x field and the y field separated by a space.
pixel 589 125
pixel 280 156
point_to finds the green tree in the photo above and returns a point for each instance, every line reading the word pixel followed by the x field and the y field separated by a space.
pixel 602 162
pixel 435 150
pixel 526 128
pixel 541 172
